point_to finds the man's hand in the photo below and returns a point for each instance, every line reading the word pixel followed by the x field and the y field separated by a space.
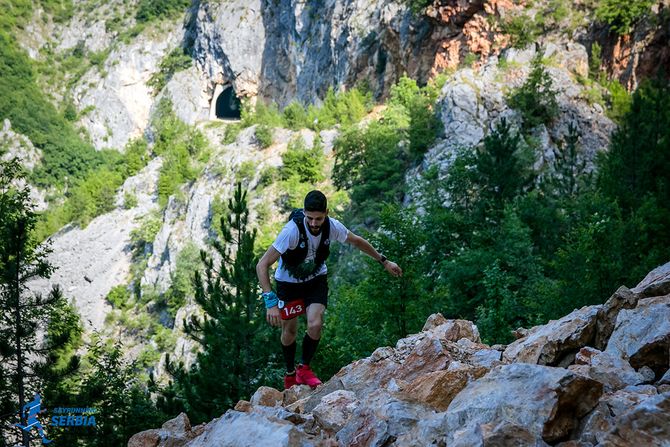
pixel 393 268
pixel 273 316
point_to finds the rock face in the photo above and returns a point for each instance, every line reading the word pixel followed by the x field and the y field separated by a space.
pixel 472 103
pixel 119 103
pixel 434 388
pixel 288 51
pixel 90 261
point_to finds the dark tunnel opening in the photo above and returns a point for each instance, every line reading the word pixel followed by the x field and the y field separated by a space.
pixel 228 106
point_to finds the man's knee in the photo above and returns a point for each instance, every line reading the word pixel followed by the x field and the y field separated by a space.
pixel 289 333
pixel 314 328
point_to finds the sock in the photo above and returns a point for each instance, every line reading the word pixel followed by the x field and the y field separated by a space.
pixel 309 346
pixel 289 356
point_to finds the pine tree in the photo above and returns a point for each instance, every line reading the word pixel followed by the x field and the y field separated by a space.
pixel 638 162
pixel 21 260
pixel 111 386
pixel 233 333
pixel 536 98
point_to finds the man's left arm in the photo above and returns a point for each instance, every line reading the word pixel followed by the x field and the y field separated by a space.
pixel 364 246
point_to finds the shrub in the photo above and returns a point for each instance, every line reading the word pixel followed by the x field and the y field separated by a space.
pixel 621 15
pixel 303 163
pixel 150 10
pixel 295 116
pixel 535 99
pixel 264 135
pixel 523 30
pixel 176 60
pixel 129 201
pixel 231 133
pixel 119 297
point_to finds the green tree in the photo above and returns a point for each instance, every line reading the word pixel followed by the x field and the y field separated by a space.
pixel 60 373
pixel 21 260
pixel 233 334
pixel 536 98
pixel 305 163
pixel 621 15
pixel 112 387
pixel 637 164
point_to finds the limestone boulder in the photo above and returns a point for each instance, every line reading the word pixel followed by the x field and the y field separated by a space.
pixel 335 409
pixel 451 330
pixel 501 435
pixel 236 429
pixel 612 371
pixel 556 341
pixel 642 335
pixel 645 424
pixel 382 419
pixel 267 397
pixel 656 283
pixel 437 389
pixel 176 432
pixel 604 417
pixel 429 355
pixel 559 399
pixel 623 298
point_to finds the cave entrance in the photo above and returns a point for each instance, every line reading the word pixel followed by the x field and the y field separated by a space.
pixel 228 106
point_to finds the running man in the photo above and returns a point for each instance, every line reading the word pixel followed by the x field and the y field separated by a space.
pixel 302 247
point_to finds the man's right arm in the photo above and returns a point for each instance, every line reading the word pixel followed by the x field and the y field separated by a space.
pixel 263 268
pixel 263 271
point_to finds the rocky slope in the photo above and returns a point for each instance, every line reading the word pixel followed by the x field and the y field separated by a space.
pixel 598 376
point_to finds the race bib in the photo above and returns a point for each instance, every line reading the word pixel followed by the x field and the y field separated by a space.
pixel 291 309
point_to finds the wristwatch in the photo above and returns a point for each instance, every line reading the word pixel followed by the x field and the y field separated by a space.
pixel 382 260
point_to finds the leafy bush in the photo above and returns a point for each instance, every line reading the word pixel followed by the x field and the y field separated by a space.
pixel 621 15
pixel 150 10
pixel 119 297
pixel 129 201
pixel 523 30
pixel 417 6
pixel 618 99
pixel 295 116
pixel 188 262
pixel 304 163
pixel 142 238
pixel 264 135
pixel 94 196
pixel 178 144
pixel 231 132
pixel 417 106
pixel 536 98
pixel 176 60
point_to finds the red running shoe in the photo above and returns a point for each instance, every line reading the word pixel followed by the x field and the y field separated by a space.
pixel 305 376
pixel 289 381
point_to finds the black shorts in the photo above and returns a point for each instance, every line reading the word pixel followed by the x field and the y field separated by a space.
pixel 313 291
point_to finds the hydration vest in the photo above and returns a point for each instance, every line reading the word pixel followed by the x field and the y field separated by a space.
pixel 294 260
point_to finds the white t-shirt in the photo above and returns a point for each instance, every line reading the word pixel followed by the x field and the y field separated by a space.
pixel 288 239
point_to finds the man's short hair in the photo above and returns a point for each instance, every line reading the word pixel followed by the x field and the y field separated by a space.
pixel 316 201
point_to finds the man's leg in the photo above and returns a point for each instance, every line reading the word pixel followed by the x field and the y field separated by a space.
pixel 289 330
pixel 309 344
pixel 314 325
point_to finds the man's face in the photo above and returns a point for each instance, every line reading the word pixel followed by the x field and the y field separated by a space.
pixel 314 220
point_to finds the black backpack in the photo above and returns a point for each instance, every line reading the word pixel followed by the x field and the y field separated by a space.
pixel 294 260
